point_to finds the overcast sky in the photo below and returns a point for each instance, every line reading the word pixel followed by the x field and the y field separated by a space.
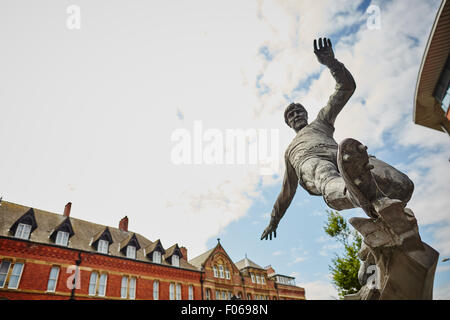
pixel 89 108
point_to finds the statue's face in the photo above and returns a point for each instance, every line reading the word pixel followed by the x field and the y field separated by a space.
pixel 297 119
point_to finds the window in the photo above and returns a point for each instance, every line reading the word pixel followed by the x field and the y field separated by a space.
pixel 263 280
pixel 93 283
pixel 23 231
pixel 102 246
pixel 178 291
pixel 208 294
pixel 53 279
pixel 258 279
pixel 4 268
pixel 229 295
pixel 132 292
pixel 124 288
pixel 217 295
pixel 224 295
pixel 155 290
pixel 131 252
pixel 191 292
pixel 249 296
pixel 227 273
pixel 221 271
pixel 62 238
pixel 172 291
pixel 156 257
pixel 16 273
pixel 175 260
pixel 253 277
pixel 102 284
pixel 216 274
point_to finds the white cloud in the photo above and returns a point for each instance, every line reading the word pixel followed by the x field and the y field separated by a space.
pixel 441 293
pixel 319 290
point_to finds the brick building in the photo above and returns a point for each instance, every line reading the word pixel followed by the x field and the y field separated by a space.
pixel 45 255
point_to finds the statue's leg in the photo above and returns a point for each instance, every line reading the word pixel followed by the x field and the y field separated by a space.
pixel 321 176
pixel 393 183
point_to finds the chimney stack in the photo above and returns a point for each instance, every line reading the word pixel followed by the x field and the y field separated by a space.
pixel 123 224
pixel 270 270
pixel 184 253
pixel 67 209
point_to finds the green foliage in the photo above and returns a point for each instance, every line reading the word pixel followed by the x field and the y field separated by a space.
pixel 345 267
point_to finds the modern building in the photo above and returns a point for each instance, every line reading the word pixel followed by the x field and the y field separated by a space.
pixel 432 96
pixel 45 255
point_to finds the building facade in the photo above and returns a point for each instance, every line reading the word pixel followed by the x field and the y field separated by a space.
pixel 48 256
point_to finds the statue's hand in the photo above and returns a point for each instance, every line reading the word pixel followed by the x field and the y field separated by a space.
pixel 324 52
pixel 271 228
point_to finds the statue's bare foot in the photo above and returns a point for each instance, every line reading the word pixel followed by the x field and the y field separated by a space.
pixel 354 166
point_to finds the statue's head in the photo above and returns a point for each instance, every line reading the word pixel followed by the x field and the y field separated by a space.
pixel 296 116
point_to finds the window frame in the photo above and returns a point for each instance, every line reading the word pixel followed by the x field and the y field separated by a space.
pixel 19 276
pixel 64 236
pixel 93 283
pixel 252 275
pixel 216 272
pixel 124 288
pixel 132 288
pixel 221 273
pixel 55 279
pixel 191 292
pixel 131 252
pixel 100 285
pixel 21 229
pixel 155 289
pixel 158 256
pixel 175 263
pixel 7 271
pixel 178 295
pixel 101 245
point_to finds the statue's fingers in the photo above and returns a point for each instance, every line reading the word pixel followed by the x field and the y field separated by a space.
pixel 270 235
pixel 315 45
pixel 320 44
pixel 275 234
pixel 329 43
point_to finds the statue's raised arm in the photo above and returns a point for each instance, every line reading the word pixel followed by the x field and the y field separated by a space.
pixel 345 84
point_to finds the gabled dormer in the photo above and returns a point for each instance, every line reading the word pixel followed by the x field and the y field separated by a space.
pixel 62 233
pixel 24 226
pixel 155 251
pixel 130 246
pixel 102 241
pixel 173 255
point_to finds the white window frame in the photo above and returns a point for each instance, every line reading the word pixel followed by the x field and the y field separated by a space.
pixel 176 261
pixel 102 285
pixel 103 246
pixel 227 274
pixel 131 252
pixel 93 283
pixel 229 295
pixel 23 231
pixel 263 280
pixel 53 280
pixel 258 279
pixel 208 294
pixel 224 295
pixel 3 273
pixel 178 291
pixel 216 273
pixel 217 295
pixel 155 290
pixel 249 296
pixel 18 274
pixel 221 274
pixel 156 258
pixel 124 287
pixel 252 275
pixel 62 238
pixel 171 291
pixel 191 292
pixel 132 288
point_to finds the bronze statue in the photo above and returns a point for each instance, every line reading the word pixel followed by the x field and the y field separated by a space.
pixel 347 177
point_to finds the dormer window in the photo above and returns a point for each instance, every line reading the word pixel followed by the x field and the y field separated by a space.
pixel 131 252
pixel 23 231
pixel 102 246
pixel 156 257
pixel 175 260
pixel 62 238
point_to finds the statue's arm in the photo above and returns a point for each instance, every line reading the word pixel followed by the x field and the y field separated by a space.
pixel 288 189
pixel 345 84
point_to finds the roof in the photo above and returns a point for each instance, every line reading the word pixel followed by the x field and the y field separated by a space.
pixel 247 263
pixel 427 110
pixel 201 259
pixel 85 232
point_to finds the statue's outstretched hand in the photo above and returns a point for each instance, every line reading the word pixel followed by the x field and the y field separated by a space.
pixel 324 52
pixel 271 228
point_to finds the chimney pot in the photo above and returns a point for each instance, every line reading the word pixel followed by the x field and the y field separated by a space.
pixel 123 224
pixel 67 209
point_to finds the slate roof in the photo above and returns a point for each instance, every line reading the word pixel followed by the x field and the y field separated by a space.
pixel 201 259
pixel 85 232
pixel 247 263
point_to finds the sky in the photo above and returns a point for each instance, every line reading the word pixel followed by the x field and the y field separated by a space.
pixel 125 108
